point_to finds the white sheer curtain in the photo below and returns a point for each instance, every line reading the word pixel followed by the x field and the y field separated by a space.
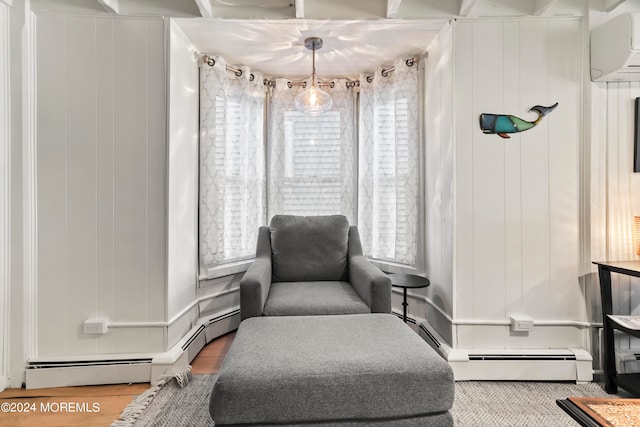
pixel 388 164
pixel 232 165
pixel 312 159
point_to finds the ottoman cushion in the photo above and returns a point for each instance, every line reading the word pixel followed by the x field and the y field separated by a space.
pixel 331 369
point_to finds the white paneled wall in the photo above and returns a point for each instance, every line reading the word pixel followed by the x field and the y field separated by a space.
pixel 101 158
pixel 612 173
pixel 439 149
pixel 517 200
pixel 615 189
pixel 184 126
pixel 5 194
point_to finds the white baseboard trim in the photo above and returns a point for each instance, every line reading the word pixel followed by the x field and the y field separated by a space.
pixel 207 329
pixel 556 364
pixel 116 369
pixel 4 383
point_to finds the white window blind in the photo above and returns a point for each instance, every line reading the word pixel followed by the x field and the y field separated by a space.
pixel 312 160
pixel 388 166
pixel 311 182
pixel 232 170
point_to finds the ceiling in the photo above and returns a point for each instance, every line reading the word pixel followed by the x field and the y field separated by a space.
pixel 276 47
pixel 358 35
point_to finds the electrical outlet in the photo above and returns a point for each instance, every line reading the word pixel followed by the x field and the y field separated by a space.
pixel 96 326
pixel 521 323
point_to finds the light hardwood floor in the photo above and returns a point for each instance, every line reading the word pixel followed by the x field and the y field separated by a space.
pixel 44 404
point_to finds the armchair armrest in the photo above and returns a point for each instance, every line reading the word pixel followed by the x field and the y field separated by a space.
pixel 254 288
pixel 371 284
pixel 255 284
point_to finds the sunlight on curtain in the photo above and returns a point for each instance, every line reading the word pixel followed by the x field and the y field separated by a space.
pixel 312 158
pixel 232 171
pixel 388 165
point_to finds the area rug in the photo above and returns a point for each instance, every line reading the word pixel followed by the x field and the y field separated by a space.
pixel 476 404
pixel 610 412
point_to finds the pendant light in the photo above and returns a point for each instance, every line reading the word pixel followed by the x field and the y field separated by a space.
pixel 313 101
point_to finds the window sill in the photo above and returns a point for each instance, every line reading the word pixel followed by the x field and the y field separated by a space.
pixel 242 266
pixel 392 267
pixel 227 269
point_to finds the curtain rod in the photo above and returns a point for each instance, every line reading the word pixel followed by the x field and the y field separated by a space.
pixel 291 84
pixel 385 72
pixel 237 71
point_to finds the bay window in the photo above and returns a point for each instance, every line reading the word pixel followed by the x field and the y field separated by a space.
pixel 366 168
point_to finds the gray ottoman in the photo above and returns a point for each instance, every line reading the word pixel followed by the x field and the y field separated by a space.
pixel 354 370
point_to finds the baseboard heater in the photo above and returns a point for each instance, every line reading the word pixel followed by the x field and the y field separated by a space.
pixel 431 339
pixel 522 357
pixel 524 365
pixel 132 368
pixel 208 322
pixel 627 361
pixel 50 365
pixel 43 374
pixel 560 364
pixel 410 318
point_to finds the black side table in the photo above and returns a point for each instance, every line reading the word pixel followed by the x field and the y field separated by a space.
pixel 611 322
pixel 406 281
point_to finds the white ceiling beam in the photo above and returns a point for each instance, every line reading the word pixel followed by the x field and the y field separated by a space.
pixel 110 6
pixel 540 7
pixel 392 8
pixel 610 5
pixel 466 6
pixel 299 4
pixel 204 6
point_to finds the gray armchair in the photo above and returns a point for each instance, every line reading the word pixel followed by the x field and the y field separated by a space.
pixel 312 265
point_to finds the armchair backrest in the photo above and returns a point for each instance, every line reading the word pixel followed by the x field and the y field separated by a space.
pixel 309 248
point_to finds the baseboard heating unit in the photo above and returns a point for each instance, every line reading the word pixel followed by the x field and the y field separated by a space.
pixel 628 361
pixel 558 364
pixel 129 368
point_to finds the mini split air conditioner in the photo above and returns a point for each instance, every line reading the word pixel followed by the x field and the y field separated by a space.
pixel 615 50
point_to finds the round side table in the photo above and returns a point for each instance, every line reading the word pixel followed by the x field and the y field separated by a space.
pixel 406 281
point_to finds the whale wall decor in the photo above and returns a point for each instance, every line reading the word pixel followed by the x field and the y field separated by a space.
pixel 503 124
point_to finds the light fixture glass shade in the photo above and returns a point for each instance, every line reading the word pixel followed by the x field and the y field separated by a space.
pixel 313 101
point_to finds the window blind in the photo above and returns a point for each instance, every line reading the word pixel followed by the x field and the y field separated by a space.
pixel 388 166
pixel 232 169
pixel 312 161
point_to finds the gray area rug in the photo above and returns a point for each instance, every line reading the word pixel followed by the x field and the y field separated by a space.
pixel 477 404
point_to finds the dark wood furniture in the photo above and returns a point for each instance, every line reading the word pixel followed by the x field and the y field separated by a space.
pixel 613 380
pixel 406 281
pixel 577 413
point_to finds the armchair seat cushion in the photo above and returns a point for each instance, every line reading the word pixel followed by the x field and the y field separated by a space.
pixel 313 298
